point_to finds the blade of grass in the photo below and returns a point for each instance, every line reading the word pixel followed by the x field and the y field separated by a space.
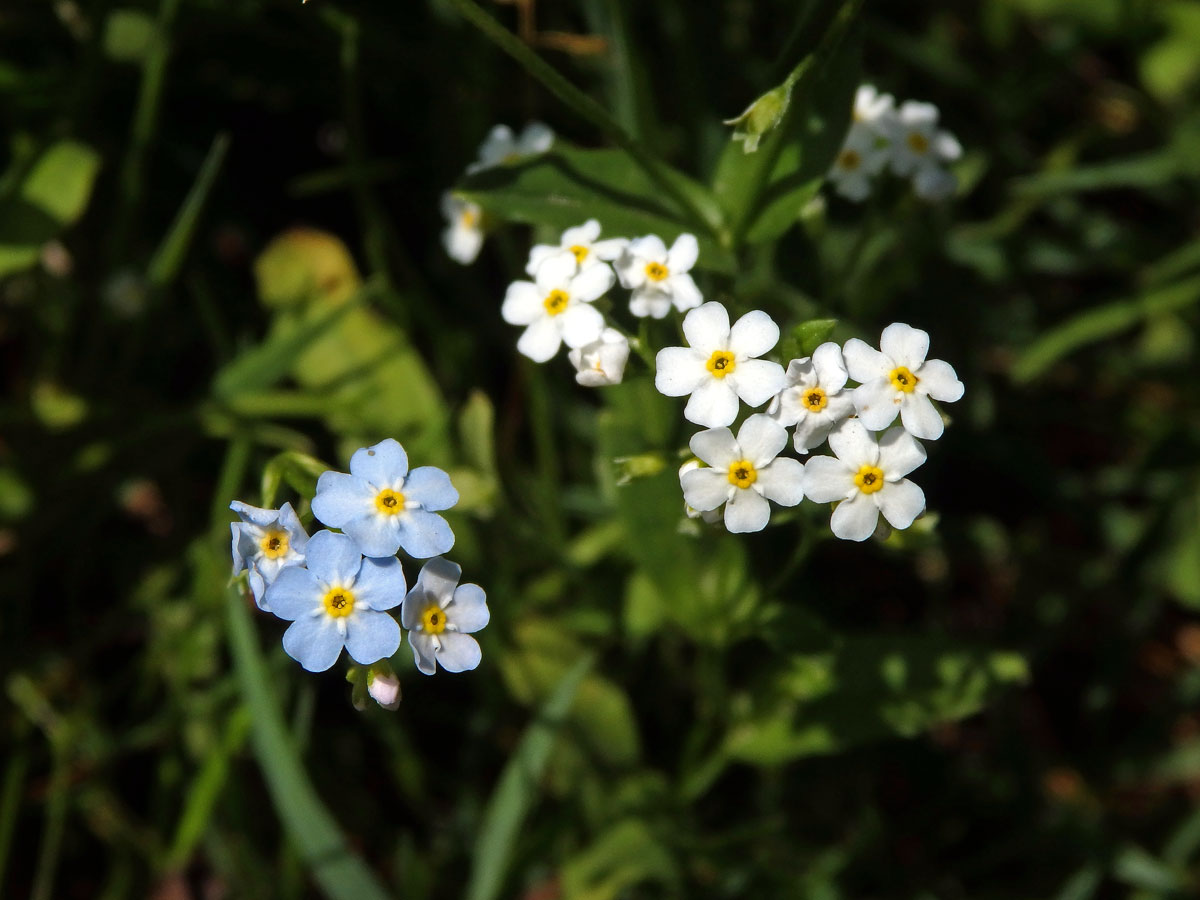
pixel 10 804
pixel 518 786
pixel 168 258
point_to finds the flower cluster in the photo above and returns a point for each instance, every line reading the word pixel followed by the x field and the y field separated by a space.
pixel 865 475
pixel 338 588
pixel 464 232
pixel 905 139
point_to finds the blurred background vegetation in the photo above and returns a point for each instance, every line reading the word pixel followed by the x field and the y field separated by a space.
pixel 220 255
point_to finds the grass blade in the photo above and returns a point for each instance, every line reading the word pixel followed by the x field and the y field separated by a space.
pixel 168 258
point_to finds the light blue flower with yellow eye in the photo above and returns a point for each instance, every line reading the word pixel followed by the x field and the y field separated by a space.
pixel 266 542
pixel 338 601
pixel 439 613
pixel 384 506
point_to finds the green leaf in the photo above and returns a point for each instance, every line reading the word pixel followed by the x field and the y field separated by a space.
pixel 61 181
pixel 519 786
pixel 629 853
pixel 128 35
pixel 168 258
pixel 811 334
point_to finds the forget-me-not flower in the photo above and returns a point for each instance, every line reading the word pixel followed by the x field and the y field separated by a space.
pixel 384 506
pixel 659 277
pixel 815 399
pixel 338 601
pixel 501 146
pixel 583 241
pixel 439 614
pixel 265 542
pixel 463 235
pixel 556 307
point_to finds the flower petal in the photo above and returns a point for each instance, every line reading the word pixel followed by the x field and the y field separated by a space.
pixel 705 489
pixel 423 652
pixel 855 519
pixel 430 487
pixel 294 594
pixel 907 346
pixel 716 446
pixel 899 453
pixel 581 324
pixel 459 652
pixel 713 404
pixel 878 402
pixel 706 328
pixel 761 438
pixel 827 479
pixel 684 293
pixel 468 610
pixel 334 558
pixel 536 137
pixel 462 244
pixel 753 334
pixel 853 444
pixel 683 254
pixel 556 273
pixel 584 234
pixel 314 642
pixel 864 362
pixel 592 283
pixel 372 636
pixel 611 249
pixel 782 481
pixel 920 418
pixel 678 371
pixel 644 302
pixel 538 254
pixel 540 341
pixel 423 534
pixel 649 249
pixel 436 583
pixel 900 503
pixel 747 511
pixel 523 302
pixel 830 367
pixel 377 535
pixel 939 380
pixel 757 380
pixel 380 584
pixel 341 498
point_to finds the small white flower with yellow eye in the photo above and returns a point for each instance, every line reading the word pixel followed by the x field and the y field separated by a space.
pixel 556 307
pixel 602 361
pixel 745 473
pixel 862 157
pixel 583 241
pixel 463 235
pixel 719 367
pixel 501 147
pixel 866 478
pixel 815 399
pixel 872 108
pixel 919 149
pixel 659 277
pixel 898 379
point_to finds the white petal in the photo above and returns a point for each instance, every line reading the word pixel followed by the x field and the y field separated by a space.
pixel 855 519
pixel 827 479
pixel 684 293
pixel 678 371
pixel 920 418
pixel 830 367
pixel 712 404
pixel 538 255
pixel 753 334
pixel 757 380
pixel 939 380
pixel 747 511
pixel 782 481
pixel 584 234
pixel 630 269
pixel 907 346
pixel 683 254
pixel 761 438
pixel 654 304
pixel 705 489
pixel 707 328
pixel 523 303
pixel 556 272
pixel 877 403
pixel 462 244
pixel 716 446
pixel 934 184
pixel 812 430
pixel 864 362
pixel 900 503
pixel 611 249
pixel 899 453
pixel 580 324
pixel 536 138
pixel 592 283
pixel 854 186
pixel 540 341
pixel 649 249
pixel 853 444
pixel 947 147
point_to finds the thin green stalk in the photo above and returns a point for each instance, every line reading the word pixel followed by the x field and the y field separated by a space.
pixel 546 450
pixel 169 257
pixel 580 103
pixel 55 825
pixel 10 804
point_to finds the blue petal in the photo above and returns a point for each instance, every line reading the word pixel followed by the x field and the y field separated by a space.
pixel 258 587
pixel 459 652
pixel 424 534
pixel 255 515
pixel 333 558
pixel 372 636
pixel 239 559
pixel 469 610
pixel 431 487
pixel 439 578
pixel 376 535
pixel 293 595
pixel 382 465
pixel 297 536
pixel 380 583
pixel 314 642
pixel 423 654
pixel 342 498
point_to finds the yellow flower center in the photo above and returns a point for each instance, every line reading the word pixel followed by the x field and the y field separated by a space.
pixel 814 399
pixel 869 479
pixel 721 363
pixel 903 380
pixel 656 271
pixel 468 218
pixel 274 544
pixel 389 502
pixel 849 160
pixel 339 602
pixel 742 473
pixel 917 143
pixel 580 251
pixel 434 619
pixel 556 302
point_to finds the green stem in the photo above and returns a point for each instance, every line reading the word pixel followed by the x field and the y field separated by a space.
pixel 10 804
pixel 579 102
pixel 55 825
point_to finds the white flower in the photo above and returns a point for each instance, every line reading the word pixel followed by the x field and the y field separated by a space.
pixel 745 473
pixel 919 149
pixel 658 276
pixel 863 155
pixel 815 399
pixel 582 242
pixel 719 365
pixel 602 361
pixel 901 380
pixel 868 478
pixel 440 615
pixel 710 516
pixel 464 229
pixel 871 107
pixel 501 147
pixel 556 306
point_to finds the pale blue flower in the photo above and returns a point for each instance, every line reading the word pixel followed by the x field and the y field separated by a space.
pixel 338 601
pixel 439 613
pixel 265 542
pixel 384 506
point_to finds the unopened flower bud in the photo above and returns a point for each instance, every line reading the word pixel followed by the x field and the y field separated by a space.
pixel 384 686
pixel 761 116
